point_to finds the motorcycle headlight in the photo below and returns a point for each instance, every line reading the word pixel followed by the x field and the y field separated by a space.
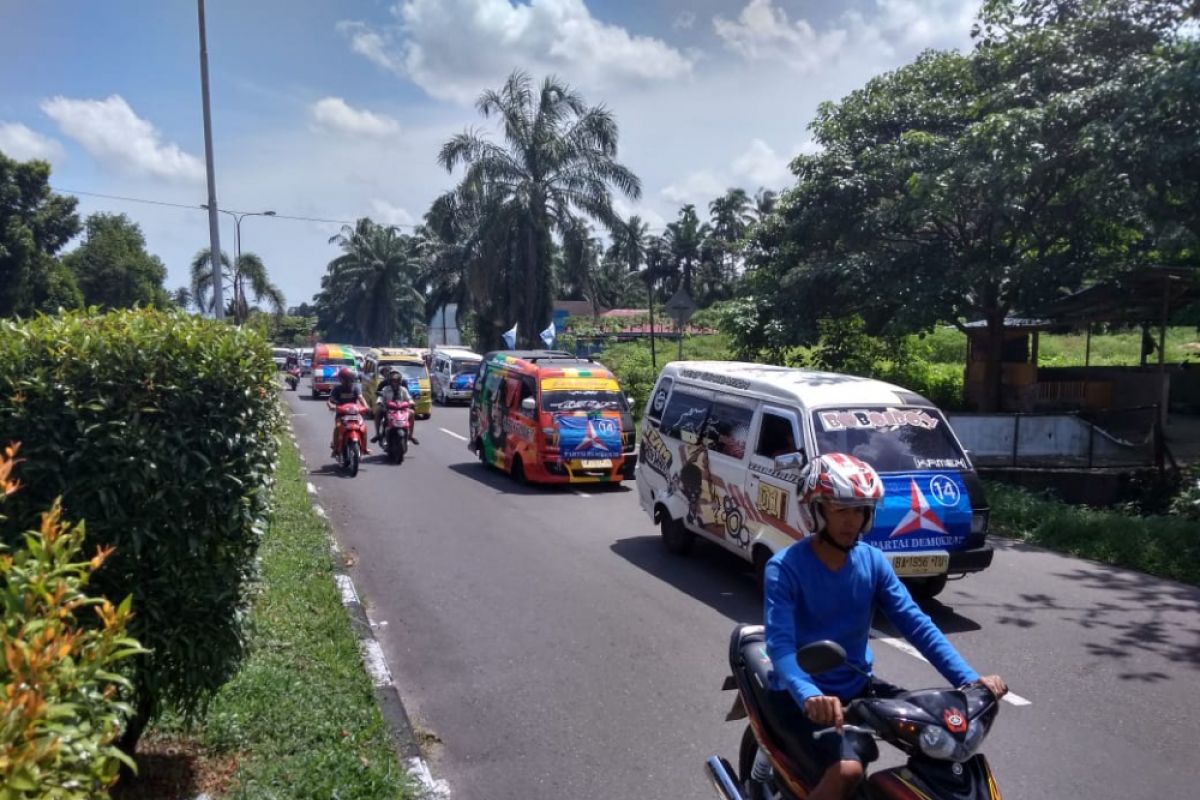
pixel 937 743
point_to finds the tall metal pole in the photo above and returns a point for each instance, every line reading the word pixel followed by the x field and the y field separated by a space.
pixel 214 228
pixel 237 266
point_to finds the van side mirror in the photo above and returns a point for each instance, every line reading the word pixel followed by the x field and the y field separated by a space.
pixel 790 461
pixel 529 405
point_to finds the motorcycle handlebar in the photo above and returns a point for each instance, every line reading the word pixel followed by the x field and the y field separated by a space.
pixel 851 728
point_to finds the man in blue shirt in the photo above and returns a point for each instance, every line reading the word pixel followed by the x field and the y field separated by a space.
pixel 827 587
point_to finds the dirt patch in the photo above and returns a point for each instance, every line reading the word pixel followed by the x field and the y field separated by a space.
pixel 175 768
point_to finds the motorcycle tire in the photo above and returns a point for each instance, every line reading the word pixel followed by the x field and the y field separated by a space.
pixel 394 447
pixel 352 457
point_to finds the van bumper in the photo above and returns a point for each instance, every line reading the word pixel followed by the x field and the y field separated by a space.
pixel 975 559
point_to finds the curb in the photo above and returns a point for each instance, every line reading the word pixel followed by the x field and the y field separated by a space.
pixel 387 696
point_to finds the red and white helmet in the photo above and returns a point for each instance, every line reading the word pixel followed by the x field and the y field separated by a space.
pixel 841 479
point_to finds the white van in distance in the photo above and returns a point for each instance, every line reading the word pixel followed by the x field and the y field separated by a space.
pixel 707 467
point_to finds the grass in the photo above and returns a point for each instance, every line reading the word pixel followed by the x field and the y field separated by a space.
pixel 1166 546
pixel 1111 349
pixel 301 714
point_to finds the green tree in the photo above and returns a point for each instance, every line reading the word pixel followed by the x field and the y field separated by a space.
pixel 557 163
pixel 35 223
pixel 684 238
pixel 241 281
pixel 112 267
pixel 371 288
pixel 181 296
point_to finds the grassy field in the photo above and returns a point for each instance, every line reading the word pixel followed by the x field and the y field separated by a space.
pixel 1166 546
pixel 1119 348
pixel 299 719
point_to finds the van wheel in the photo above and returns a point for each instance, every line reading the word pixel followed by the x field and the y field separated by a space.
pixel 518 472
pixel 926 588
pixel 761 556
pixel 675 535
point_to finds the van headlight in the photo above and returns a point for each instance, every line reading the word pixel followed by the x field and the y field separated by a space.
pixel 979 522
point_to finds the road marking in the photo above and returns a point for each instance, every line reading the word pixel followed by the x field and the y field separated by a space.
pixel 311 489
pixel 320 511
pixel 418 770
pixel 582 493
pixel 904 647
pixel 349 595
pixel 458 436
pixel 377 666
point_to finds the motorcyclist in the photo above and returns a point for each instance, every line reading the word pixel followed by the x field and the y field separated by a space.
pixel 827 587
pixel 346 391
pixel 393 390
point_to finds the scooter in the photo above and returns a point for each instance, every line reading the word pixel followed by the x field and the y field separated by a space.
pixel 292 378
pixel 397 430
pixel 940 730
pixel 353 438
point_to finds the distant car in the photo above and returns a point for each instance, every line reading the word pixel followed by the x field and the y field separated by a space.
pixel 306 357
pixel 280 355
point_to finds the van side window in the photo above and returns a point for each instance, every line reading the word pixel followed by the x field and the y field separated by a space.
pixel 659 402
pixel 685 415
pixel 775 436
pixel 729 428
pixel 528 389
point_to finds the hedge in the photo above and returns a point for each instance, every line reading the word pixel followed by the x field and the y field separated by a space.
pixel 158 429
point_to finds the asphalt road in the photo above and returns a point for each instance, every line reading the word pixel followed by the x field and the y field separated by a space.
pixel 549 647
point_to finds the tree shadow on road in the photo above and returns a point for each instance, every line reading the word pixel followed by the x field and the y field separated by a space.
pixel 502 482
pixel 709 574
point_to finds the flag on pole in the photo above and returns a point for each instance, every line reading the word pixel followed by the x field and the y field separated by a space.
pixel 549 334
pixel 510 337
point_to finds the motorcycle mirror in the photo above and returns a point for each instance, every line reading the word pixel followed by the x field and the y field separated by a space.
pixel 790 460
pixel 820 657
pixel 528 404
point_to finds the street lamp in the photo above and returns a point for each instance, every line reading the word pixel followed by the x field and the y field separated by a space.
pixel 237 218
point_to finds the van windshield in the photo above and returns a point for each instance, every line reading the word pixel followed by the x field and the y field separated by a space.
pixel 411 372
pixel 339 362
pixel 889 439
pixel 459 366
pixel 582 400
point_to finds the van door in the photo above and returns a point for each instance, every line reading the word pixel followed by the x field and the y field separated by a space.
pixel 773 491
pixel 729 517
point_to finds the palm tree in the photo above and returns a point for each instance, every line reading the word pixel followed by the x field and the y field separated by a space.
pixel 765 201
pixel 684 237
pixel 249 275
pixel 731 218
pixel 557 163
pixel 372 285
pixel 182 297
pixel 629 243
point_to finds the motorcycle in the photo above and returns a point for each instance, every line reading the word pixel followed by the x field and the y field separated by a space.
pixel 397 430
pixel 939 729
pixel 353 437
pixel 292 378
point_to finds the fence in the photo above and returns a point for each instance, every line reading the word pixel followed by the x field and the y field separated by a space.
pixel 1129 437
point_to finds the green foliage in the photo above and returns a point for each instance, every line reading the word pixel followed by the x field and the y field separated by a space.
pixel 158 428
pixel 112 267
pixel 248 277
pixel 1167 546
pixel 60 711
pixel 631 363
pixel 301 711
pixel 35 223
pixel 290 330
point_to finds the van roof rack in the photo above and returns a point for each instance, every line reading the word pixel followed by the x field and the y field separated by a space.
pixel 534 356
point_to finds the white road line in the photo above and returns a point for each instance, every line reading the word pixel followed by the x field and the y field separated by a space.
pixel 905 647
pixel 320 511
pixel 346 586
pixel 311 489
pixel 452 433
pixel 418 770
pixel 372 655
pixel 582 493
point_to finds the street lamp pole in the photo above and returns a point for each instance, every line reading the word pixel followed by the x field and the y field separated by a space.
pixel 214 236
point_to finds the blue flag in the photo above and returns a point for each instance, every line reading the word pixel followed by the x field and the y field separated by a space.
pixel 510 337
pixel 549 334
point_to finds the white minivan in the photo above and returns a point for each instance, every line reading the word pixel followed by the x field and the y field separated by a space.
pixel 707 465
pixel 452 373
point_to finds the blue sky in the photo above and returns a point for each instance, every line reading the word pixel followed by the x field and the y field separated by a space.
pixel 336 109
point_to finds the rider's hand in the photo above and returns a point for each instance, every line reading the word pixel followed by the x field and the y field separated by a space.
pixel 995 685
pixel 825 710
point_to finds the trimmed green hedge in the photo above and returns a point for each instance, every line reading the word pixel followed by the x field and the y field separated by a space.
pixel 158 428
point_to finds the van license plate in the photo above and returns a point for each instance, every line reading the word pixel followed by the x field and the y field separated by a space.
pixel 601 463
pixel 924 564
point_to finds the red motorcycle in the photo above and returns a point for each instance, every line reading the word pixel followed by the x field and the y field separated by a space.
pixel 397 430
pixel 352 437
pixel 292 377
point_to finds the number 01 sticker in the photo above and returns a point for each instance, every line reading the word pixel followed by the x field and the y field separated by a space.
pixel 771 500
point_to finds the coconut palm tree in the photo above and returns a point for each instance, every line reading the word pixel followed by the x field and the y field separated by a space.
pixel 373 283
pixel 765 201
pixel 247 278
pixel 684 238
pixel 557 163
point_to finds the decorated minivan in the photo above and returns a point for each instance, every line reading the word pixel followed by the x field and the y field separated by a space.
pixel 718 453
pixel 411 365
pixel 327 360
pixel 453 371
pixel 546 416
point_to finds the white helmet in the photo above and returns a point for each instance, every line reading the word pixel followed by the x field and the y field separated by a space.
pixel 841 479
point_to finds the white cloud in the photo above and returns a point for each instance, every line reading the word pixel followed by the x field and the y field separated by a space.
pixel 454 49
pixel 764 32
pixel 698 188
pixel 24 144
pixel 763 166
pixel 335 114
pixel 684 21
pixel 119 138
pixel 388 214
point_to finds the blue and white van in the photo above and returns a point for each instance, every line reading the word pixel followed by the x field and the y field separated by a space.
pixel 707 465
